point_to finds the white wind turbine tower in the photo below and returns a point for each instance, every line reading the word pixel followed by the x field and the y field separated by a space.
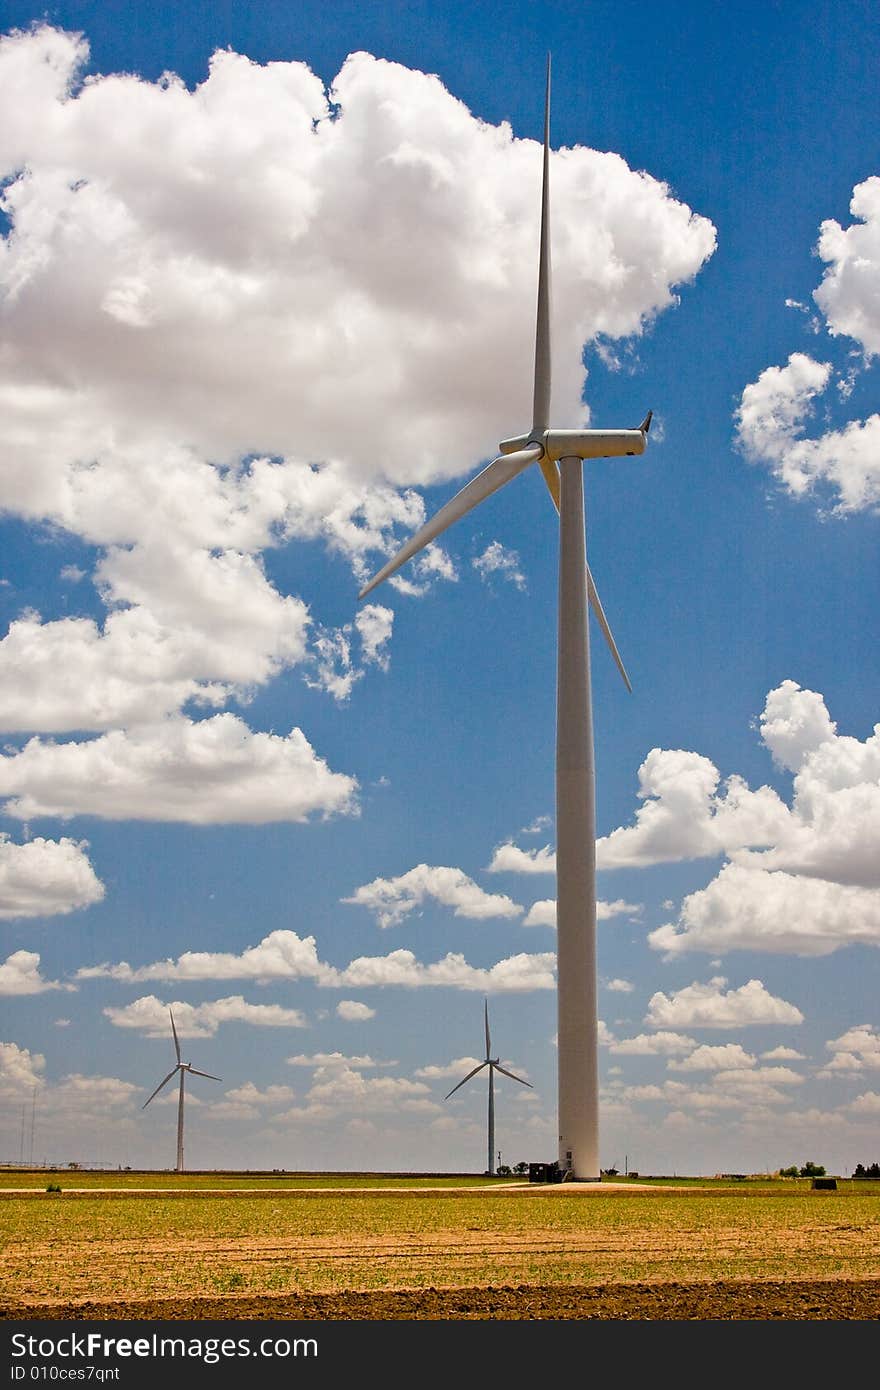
pixel 560 453
pixel 183 1068
pixel 494 1065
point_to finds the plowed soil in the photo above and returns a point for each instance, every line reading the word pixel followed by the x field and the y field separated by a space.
pixel 798 1300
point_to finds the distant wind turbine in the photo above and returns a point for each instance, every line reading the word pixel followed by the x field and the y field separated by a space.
pixel 560 454
pixel 183 1068
pixel 494 1065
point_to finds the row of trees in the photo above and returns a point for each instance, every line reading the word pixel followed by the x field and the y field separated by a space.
pixel 806 1170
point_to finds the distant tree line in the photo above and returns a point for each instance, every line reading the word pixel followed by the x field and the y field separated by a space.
pixel 872 1170
pixel 807 1170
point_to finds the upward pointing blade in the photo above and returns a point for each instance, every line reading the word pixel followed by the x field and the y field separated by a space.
pixel 174 1031
pixel 161 1084
pixel 541 409
pixel 464 1079
pixel 494 476
pixel 488 1041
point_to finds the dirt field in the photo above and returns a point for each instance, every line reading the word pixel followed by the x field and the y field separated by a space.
pixel 441 1255
pixel 784 1301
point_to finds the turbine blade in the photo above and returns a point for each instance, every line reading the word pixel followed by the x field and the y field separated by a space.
pixel 505 1072
pixel 161 1084
pixel 174 1031
pixel 500 471
pixel 603 623
pixel 550 470
pixel 488 1039
pixel 194 1072
pixel 541 409
pixel 466 1078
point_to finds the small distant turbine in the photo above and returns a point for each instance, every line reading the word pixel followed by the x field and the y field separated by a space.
pixel 560 455
pixel 494 1065
pixel 183 1068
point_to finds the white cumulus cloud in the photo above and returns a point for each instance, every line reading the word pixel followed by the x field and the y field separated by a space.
pixel 497 559
pixel 543 913
pixel 710 1005
pixel 283 955
pixel 391 900
pixel 509 858
pixel 774 410
pixel 20 974
pixel 46 878
pixel 20 1071
pixel 205 772
pixel 148 1015
pixel 353 1011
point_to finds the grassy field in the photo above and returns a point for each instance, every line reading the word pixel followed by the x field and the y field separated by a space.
pixel 299 1240
pixel 38 1179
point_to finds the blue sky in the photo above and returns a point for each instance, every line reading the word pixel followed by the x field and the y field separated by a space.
pixel 259 318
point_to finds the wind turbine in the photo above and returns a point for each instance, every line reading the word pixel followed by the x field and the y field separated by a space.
pixel 494 1065
pixel 183 1068
pixel 560 453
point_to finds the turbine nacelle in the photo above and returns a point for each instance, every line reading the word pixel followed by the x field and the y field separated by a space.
pixel 582 444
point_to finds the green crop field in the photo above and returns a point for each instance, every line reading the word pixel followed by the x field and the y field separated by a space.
pixel 297 1240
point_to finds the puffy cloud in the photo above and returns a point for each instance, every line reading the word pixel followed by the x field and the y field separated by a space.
pixel 845 459
pixel 334 1059
pixel 867 1104
pixel 509 858
pixel 496 559
pixel 459 1068
pixel 849 295
pixel 353 1011
pixel 683 816
pixel 339 1089
pixel 213 771
pixel 45 878
pixel 20 974
pixel 773 410
pixel 711 1006
pixel 19 1070
pixel 148 1015
pixel 282 955
pixel 391 900
pixel 251 1095
pixel 285 955
pixel 662 1044
pixel 88 1098
pixel 516 974
pixel 619 986
pixel 782 1054
pixel 334 667
pixel 250 368
pixel 834 831
pixel 855 1050
pixel 374 624
pixel 543 913
pixel 727 1057
pixel 751 909
pixel 794 723
pixel 803 880
pixel 243 305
